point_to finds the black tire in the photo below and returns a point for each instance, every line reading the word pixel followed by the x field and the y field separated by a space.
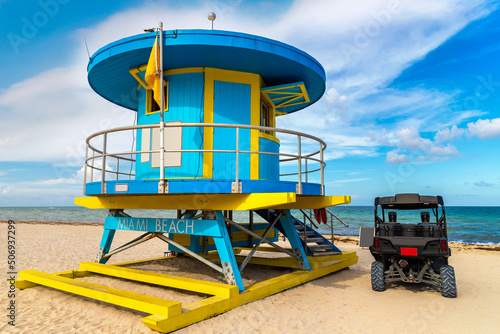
pixel 448 283
pixel 378 282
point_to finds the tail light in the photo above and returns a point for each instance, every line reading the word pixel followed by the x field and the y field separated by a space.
pixel 444 246
pixel 376 243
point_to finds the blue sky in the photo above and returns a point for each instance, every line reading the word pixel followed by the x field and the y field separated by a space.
pixel 411 105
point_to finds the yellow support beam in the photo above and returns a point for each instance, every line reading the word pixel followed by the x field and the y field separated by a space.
pixel 167 316
pixel 315 202
pixel 210 307
pixel 131 300
pixel 22 284
pixel 182 283
pixel 252 201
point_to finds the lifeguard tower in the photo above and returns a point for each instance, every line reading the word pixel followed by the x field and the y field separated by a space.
pixel 214 149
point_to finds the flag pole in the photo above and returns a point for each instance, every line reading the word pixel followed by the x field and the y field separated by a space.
pixel 162 124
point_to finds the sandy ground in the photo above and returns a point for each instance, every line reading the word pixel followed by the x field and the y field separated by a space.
pixel 342 302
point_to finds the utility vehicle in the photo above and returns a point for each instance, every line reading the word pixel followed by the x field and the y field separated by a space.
pixel 410 246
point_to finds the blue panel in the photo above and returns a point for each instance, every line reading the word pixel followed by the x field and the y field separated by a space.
pixel 165 225
pixel 185 103
pixel 231 106
pixel 277 63
pixel 269 168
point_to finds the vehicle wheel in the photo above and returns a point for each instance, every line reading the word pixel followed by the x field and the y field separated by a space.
pixel 448 283
pixel 378 282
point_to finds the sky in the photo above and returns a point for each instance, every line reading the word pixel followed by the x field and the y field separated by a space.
pixel 412 100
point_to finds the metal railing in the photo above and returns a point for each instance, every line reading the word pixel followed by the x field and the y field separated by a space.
pixel 309 215
pixel 97 159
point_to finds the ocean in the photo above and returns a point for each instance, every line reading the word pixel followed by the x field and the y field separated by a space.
pixel 467 224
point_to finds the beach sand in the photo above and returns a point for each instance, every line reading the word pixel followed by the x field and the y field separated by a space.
pixel 342 302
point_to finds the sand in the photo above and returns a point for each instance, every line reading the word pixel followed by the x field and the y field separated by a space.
pixel 342 302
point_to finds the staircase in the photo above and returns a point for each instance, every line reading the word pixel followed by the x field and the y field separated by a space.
pixel 314 243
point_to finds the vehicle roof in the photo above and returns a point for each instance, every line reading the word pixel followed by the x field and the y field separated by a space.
pixel 409 202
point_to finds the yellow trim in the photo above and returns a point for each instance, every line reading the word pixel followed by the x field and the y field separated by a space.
pixel 270 137
pixel 134 72
pixel 184 70
pixel 208 117
pixel 142 68
pixel 149 99
pixel 293 96
pixel 254 134
pixel 254 80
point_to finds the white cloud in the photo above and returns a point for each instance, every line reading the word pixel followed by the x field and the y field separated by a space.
pixel 449 134
pixel 485 128
pixel 393 157
pixel 337 103
pixel 411 146
pixel 48 117
pixel 410 139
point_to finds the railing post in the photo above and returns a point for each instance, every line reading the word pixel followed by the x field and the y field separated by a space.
pixel 85 170
pixel 322 169
pixel 299 157
pixel 92 167
pixel 103 167
pixel 305 163
pixel 236 185
pixel 117 167
pixel 331 226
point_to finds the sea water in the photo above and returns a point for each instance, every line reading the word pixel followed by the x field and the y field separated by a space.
pixel 466 224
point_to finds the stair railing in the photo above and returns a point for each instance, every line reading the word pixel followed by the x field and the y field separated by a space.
pixel 309 216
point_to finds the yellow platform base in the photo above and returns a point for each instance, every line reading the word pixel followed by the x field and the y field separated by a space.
pixel 254 201
pixel 167 316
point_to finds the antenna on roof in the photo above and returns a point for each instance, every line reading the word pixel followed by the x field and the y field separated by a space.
pixel 88 53
pixel 212 17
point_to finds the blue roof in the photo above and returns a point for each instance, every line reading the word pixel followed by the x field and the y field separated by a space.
pixel 277 63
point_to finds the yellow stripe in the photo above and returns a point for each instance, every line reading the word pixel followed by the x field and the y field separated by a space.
pixel 208 133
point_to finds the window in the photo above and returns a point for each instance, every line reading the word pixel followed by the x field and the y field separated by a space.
pixel 151 105
pixel 265 115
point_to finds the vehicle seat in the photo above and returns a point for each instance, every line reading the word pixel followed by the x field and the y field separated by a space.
pixel 425 216
pixel 392 217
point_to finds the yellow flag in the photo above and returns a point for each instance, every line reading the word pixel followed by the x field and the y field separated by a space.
pixel 153 75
